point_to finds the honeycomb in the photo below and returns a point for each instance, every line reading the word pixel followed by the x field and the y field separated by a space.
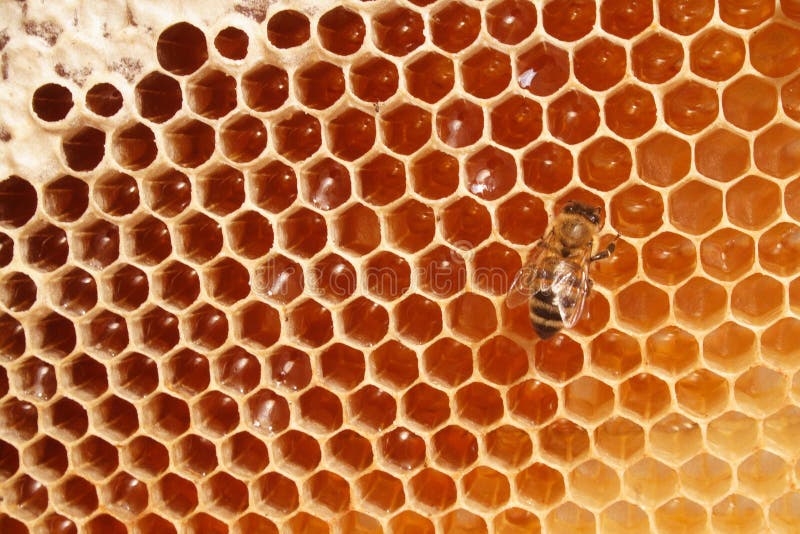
pixel 254 254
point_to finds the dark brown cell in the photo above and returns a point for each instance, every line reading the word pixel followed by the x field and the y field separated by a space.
pixel 398 31
pixel 147 241
pixel 265 88
pixel 333 278
pixel 298 136
pixel 411 226
pixel 459 123
pixel 522 219
pixel 372 408
pixel 226 281
pixel 351 134
pixel 341 31
pixel 402 449
pixel 168 193
pixel 17 202
pixel 212 94
pixel 486 72
pixel 656 58
pixel 690 107
pixel 237 370
pixel 564 441
pixel 433 489
pixel 258 325
pixel 319 85
pixel 716 55
pixel 304 232
pixel 599 64
pixel 381 491
pixel 34 379
pixel 279 279
pixel 573 117
pixel 52 102
pixel 232 43
pixel 182 48
pixel 273 187
pixel 394 365
pixel 455 26
pixel 511 21
pixel 84 149
pixel 569 20
pixel 540 484
pixel 134 147
pixel 187 373
pixel 221 189
pixel 157 329
pixel 631 111
pixel 74 291
pixel 64 199
pixel 685 17
pixel 625 19
pixel 495 266
pixel 196 456
pixel 465 223
pixel 116 194
pixel 189 143
pixel 604 164
pixel 364 321
pixel 177 284
pixel 516 121
pixel 288 28
pixel 405 129
pixel 310 323
pixel 374 79
pixel 243 138
pixel 543 69
pixel 443 272
pixel 388 276
pixel 636 211
pixel 267 412
pixel 479 404
pixel 381 180
pixel 426 406
pixel 114 418
pixel 532 402
pixel 158 97
pixel 418 319
pixel 357 230
pixel 6 249
pixel 45 248
pixel 18 292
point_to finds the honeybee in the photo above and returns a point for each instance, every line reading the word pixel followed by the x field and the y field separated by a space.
pixel 555 280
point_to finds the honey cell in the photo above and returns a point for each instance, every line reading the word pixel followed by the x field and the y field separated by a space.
pixel 374 79
pixel 465 223
pixel 644 395
pixel 478 404
pixel 700 303
pixel 702 201
pixel 637 211
pixel 702 392
pixel 564 441
pixel 510 21
pixel 642 306
pixel 771 41
pixel 364 321
pixel 733 435
pixel 417 319
pixel 569 517
pixel 599 64
pixel 790 98
pixel 351 134
pixel 573 117
pixel 625 20
pixel 663 159
pixel 594 483
pixel 212 94
pixel 569 21
pixel 737 511
pixel 730 347
pixel 773 152
pixel 486 487
pixel 410 521
pixel 116 194
pixel 543 69
pixel 455 26
pixel 777 249
pixel 52 102
pixel 189 143
pixel 753 202
pixel 341 31
pixel 454 448
pixel 684 16
pixel 405 129
pixel 750 102
pixel 604 164
pixel 398 31
pixel 319 85
pixel 540 484
pixel 298 136
pixel 486 72
pixel 656 58
pixel 357 230
pixel 288 28
pixel 630 111
pixel 706 477
pixel 459 123
pixel 589 399
pixel 18 292
pixel 776 344
pixel 760 390
pixel 722 155
pixel 495 267
pixel 427 407
pixel 690 107
pixel 448 361
pixel 620 438
pixel 675 438
pixel 757 299
pixel 716 55
pixel 516 121
pixel 782 516
pixel 672 349
pixel 265 87
pixel 243 138
pixel 532 402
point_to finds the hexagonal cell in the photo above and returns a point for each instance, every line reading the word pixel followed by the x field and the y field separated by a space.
pixel 559 357
pixel 494 268
pixel 165 416
pixel 502 361
pixel 215 414
pixel 341 31
pixel 459 123
pixel 46 459
pixel 435 174
pixel 125 495
pixel 380 491
pixel 651 480
pixel 604 164
pixel 64 199
pixel 84 377
pixel 466 223
pixel 319 85
pixel 656 58
pixel 175 495
pixel 722 155
pixel 442 272
pixel 479 404
pixel 702 393
pixel 623 20
pixel 279 279
pixel 753 202
pixel 299 453
pixel 757 299
pixel 454 448
pixel 683 17
pixel 115 418
pixel 510 21
pixel 181 48
pixel 487 488
pixel 695 207
pixel 564 441
pixel 630 112
pixel 96 242
pixel 620 438
pixel 429 77
pixel 243 138
pixel 573 117
pixel 168 193
pixel 265 87
pixel 211 94
pixel 297 136
pixel 258 325
pixel 19 202
pixel 516 121
pixel 792 199
pixel 67 420
pixel 187 373
pixel 645 395
pixel 540 485
pixel 509 446
pixel 76 496
pixel 320 410
pixel 357 230
pixel 402 449
pixel 352 451
pixel 202 522
pixel 642 306
pixel 733 435
pixel 250 235
pixel 730 347
pixel 326 184
pixel 19 419
pixel 700 303
pixel 750 102
pixel 771 39
pixel 790 97
pixel 569 517
pixel 333 278
pixel 6 249
pixel 409 521
pixel 74 291
pixel 381 180
pixel 158 97
pixel 18 291
pixel 45 247
pixel 374 79
pixel 351 134
pixel 237 370
pixel 410 226
pixel 672 349
pixel 777 343
pixel 455 26
pixel 104 99
pixel 668 258
pixel 372 408
pixel 398 31
pixel 134 375
pixel 189 143
pixel 95 458
pixel 663 159
pixel 426 406
pixel 727 254
pixel 675 438
pixel 195 456
pixel 761 390
pixel 303 232
pixel 486 72
pixel 690 107
pixel 490 173
pixel 594 483
pixel 388 276
pixel 737 511
pixel 53 336
pixel 232 43
pixel 778 250
pixel 471 316
pixel 145 457
pixel 716 54
pixel 773 153
pixel 589 399
pixel 394 364
pixel 432 489
pixel 706 477
pixel 569 21
pixel 85 149
pixel 205 326
pixel 117 194
pixel 682 514
pixel 599 64
pixel 783 512
pixel 543 69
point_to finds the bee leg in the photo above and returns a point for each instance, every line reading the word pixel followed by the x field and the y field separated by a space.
pixel 606 252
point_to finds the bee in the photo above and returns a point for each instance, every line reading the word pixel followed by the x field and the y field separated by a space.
pixel 555 280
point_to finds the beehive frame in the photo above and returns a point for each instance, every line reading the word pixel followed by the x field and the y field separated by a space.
pixel 253 259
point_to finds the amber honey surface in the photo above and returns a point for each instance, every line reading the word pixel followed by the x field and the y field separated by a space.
pixel 253 258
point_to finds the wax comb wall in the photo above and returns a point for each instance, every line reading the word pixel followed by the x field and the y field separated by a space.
pixel 254 254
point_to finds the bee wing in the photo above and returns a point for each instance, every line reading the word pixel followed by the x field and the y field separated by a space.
pixel 572 287
pixel 523 285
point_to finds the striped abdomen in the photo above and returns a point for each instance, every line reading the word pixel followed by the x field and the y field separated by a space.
pixel 545 315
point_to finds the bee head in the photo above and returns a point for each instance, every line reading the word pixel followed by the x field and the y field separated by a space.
pixel 590 213
pixel 577 225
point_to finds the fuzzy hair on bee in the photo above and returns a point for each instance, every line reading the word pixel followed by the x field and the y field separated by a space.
pixel 555 281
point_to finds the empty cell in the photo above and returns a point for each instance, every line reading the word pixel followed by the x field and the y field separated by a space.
pixel 642 306
pixel 52 335
pixel 750 102
pixel 288 28
pixel 181 48
pixel 115 419
pixel 297 452
pixel 604 164
pixel 486 72
pixel 52 102
pixel 663 159
pixel 175 495
pixel 510 21
pixel 84 149
pixel 243 138
pixel 351 134
pixel 158 97
pixel 702 393
pixel 167 194
pixel 690 107
pixel 646 395
pixel 18 291
pixel 630 111
pixel 774 151
pixel 455 26
pixel 716 54
pixel 675 438
pixel 398 31
pixel 388 276
pixel 761 390
pixel 265 87
pixel 19 419
pixel 730 347
pixel 775 49
pixel 620 438
pixel 232 43
pixel 211 94
pixel 364 321
pixel 599 64
pixel 569 517
pixel 432 489
pixel 96 243
pixel 465 223
pixel 722 155
pixel 543 69
pixel 85 378
pixel 374 79
pixel 573 117
pixel 733 435
pixel 34 379
pixel 73 291
pixel 13 344
pixel 145 457
pixel 685 17
pixel 333 278
pixel 737 512
pixel 319 85
pixel 625 20
pixel 266 412
pixel 454 448
pixel 297 136
pixel 104 99
pixel 76 496
pixel 700 303
pixel 459 123
pixel 532 402
pixel 657 58
pixel 516 121
pixel 257 324
pixel 341 31
pixel 45 247
pixel 19 202
pixel 757 299
pixel 116 194
pixel 227 495
pixel 569 20
pixel 487 488
pixel 490 173
pixel 589 399
pixel 430 76
pixel 189 143
pixel 706 477
pixel 695 207
pixel 594 483
pixel 67 421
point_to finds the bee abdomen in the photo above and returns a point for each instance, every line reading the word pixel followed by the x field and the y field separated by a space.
pixel 545 315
